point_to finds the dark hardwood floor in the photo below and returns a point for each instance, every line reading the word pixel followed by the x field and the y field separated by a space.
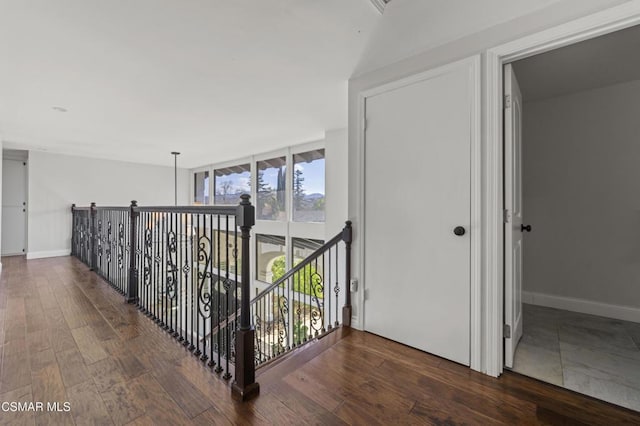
pixel 66 336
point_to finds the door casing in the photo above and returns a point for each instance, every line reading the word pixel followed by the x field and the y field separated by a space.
pixel 475 230
pixel 601 23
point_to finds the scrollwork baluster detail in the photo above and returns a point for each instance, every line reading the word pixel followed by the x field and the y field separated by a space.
pixel 204 293
pixel 120 245
pixel 148 259
pixel 172 267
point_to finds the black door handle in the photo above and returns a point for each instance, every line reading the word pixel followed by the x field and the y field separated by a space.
pixel 525 228
pixel 459 231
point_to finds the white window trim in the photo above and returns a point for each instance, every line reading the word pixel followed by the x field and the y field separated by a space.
pixel 288 229
pixel 192 187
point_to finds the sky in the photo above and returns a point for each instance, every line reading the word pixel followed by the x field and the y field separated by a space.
pixel 313 174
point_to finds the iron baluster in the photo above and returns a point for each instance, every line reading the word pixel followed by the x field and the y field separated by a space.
pixel 219 296
pixel 347 236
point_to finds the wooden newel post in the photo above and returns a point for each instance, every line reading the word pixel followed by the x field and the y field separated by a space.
pixel 93 258
pixel 73 230
pixel 132 290
pixel 244 385
pixel 347 237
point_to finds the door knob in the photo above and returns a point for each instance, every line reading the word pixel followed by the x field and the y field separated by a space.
pixel 525 228
pixel 459 231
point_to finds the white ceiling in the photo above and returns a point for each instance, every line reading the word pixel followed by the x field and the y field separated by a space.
pixel 214 79
pixel 599 62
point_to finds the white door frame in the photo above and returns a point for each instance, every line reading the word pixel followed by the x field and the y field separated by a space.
pixel 610 20
pixel 473 63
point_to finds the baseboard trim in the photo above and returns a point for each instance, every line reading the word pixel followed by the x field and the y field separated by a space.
pixel 625 313
pixel 52 253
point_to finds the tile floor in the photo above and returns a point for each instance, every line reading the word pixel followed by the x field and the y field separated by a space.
pixel 592 355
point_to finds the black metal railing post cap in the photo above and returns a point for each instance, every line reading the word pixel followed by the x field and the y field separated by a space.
pixel 246 212
pixel 134 203
pixel 347 232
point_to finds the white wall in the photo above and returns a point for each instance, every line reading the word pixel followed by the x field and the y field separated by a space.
pixel 581 176
pixel 336 181
pixel 409 28
pixel 57 181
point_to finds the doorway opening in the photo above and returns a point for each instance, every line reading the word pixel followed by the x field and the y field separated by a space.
pixel 572 222
pixel 14 202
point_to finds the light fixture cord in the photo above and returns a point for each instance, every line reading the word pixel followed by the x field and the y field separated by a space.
pixel 175 178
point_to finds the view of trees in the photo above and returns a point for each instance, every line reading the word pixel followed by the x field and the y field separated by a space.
pixel 304 281
pixel 271 192
pixel 308 206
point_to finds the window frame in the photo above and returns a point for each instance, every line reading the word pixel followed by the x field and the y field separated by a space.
pixel 227 164
pixel 288 228
pixel 192 189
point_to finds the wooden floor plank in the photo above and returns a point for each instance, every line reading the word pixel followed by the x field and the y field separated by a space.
pixel 15 367
pixel 89 345
pixel 72 367
pixel 188 397
pixel 106 373
pixel 17 418
pixel 122 404
pixel 157 403
pixel 88 407
pixel 38 340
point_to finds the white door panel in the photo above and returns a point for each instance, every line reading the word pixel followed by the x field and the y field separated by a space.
pixel 14 198
pixel 417 190
pixel 513 204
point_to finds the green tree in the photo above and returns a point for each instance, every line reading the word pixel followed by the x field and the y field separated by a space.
pixel 299 331
pixel 298 188
pixel 303 282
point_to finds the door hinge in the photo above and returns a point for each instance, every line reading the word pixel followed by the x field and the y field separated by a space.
pixel 505 216
pixel 507 101
pixel 364 124
pixel 506 331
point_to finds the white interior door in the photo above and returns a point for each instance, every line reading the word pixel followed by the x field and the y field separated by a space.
pixel 14 205
pixel 417 191
pixel 513 205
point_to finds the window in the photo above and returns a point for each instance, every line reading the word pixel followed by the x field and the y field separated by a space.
pixel 270 189
pixel 308 186
pixel 231 182
pixel 270 257
pixel 303 247
pixel 201 188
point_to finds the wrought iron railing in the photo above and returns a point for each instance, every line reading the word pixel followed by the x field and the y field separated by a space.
pixel 307 302
pixel 81 233
pixel 187 268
